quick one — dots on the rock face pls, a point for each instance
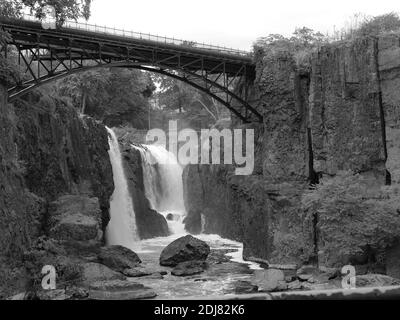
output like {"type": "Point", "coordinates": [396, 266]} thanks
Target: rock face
{"type": "Point", "coordinates": [337, 114]}
{"type": "Point", "coordinates": [149, 222]}
{"type": "Point", "coordinates": [75, 217]}
{"type": "Point", "coordinates": [184, 249]}
{"type": "Point", "coordinates": [345, 99]}
{"type": "Point", "coordinates": [63, 153]}
{"type": "Point", "coordinates": [118, 258]}
{"type": "Point", "coordinates": [47, 151]}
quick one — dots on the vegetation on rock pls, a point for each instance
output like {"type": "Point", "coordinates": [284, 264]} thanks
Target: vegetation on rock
{"type": "Point", "coordinates": [355, 222]}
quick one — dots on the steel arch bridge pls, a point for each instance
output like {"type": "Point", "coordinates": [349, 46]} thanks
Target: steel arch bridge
{"type": "Point", "coordinates": [47, 54]}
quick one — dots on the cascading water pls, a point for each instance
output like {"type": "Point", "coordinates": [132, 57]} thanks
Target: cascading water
{"type": "Point", "coordinates": [162, 177]}
{"type": "Point", "coordinates": [122, 226]}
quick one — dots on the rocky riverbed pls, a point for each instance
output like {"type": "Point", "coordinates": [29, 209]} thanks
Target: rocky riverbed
{"type": "Point", "coordinates": [196, 267]}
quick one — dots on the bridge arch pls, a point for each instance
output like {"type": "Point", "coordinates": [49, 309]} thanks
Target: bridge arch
{"type": "Point", "coordinates": [48, 55]}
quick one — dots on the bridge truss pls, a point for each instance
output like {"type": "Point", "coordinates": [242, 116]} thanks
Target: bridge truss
{"type": "Point", "coordinates": [49, 54]}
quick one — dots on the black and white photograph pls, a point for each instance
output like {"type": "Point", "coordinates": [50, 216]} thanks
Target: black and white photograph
{"type": "Point", "coordinates": [199, 155]}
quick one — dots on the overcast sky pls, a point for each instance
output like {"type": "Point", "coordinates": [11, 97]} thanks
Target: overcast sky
{"type": "Point", "coordinates": [233, 23]}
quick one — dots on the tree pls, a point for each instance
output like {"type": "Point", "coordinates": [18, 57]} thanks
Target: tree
{"type": "Point", "coordinates": [379, 24]}
{"type": "Point", "coordinates": [90, 85]}
{"type": "Point", "coordinates": [193, 105]}
{"type": "Point", "coordinates": [114, 95]}
{"type": "Point", "coordinates": [302, 39]}
{"type": "Point", "coordinates": [11, 8]}
{"type": "Point", "coordinates": [64, 9]}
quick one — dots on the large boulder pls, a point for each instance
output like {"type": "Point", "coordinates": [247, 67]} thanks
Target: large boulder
{"type": "Point", "coordinates": [93, 272]}
{"type": "Point", "coordinates": [186, 248]}
{"type": "Point", "coordinates": [268, 280]}
{"type": "Point", "coordinates": [119, 290]}
{"type": "Point", "coordinates": [189, 268]}
{"type": "Point", "coordinates": [118, 258]}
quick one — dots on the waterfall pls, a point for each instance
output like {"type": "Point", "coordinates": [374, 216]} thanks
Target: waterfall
{"type": "Point", "coordinates": [162, 178]}
{"type": "Point", "coordinates": [122, 226]}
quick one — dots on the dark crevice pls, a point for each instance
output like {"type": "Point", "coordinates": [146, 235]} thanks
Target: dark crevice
{"type": "Point", "coordinates": [388, 179]}
{"type": "Point", "coordinates": [315, 236]}
{"type": "Point", "coordinates": [313, 176]}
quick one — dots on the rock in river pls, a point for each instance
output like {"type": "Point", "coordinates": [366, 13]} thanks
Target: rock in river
{"type": "Point", "coordinates": [186, 248]}
{"type": "Point", "coordinates": [119, 290]}
{"type": "Point", "coordinates": [268, 280]}
{"type": "Point", "coordinates": [189, 268]}
{"type": "Point", "coordinates": [242, 287]}
{"type": "Point", "coordinates": [118, 258]}
{"type": "Point", "coordinates": [93, 272]}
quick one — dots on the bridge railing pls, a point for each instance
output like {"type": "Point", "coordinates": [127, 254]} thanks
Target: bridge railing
{"type": "Point", "coordinates": [142, 36]}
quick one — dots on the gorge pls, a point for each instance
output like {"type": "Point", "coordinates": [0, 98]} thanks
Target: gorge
{"type": "Point", "coordinates": [324, 191]}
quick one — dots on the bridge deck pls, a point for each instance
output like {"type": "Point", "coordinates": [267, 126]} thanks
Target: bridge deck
{"type": "Point", "coordinates": [88, 44]}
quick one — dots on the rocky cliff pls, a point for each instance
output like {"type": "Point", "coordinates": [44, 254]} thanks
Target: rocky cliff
{"type": "Point", "coordinates": [150, 223]}
{"type": "Point", "coordinates": [329, 154]}
{"type": "Point", "coordinates": [48, 153]}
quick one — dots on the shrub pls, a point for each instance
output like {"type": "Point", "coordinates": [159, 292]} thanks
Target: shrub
{"type": "Point", "coordinates": [355, 222]}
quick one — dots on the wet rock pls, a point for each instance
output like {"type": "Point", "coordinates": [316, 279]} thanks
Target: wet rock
{"type": "Point", "coordinates": [219, 256]}
{"type": "Point", "coordinates": [267, 280]}
{"type": "Point", "coordinates": [150, 223]}
{"type": "Point", "coordinates": [189, 268]}
{"type": "Point", "coordinates": [155, 275]}
{"type": "Point", "coordinates": [186, 248]}
{"type": "Point", "coordinates": [118, 258]}
{"type": "Point", "coordinates": [193, 222]}
{"type": "Point", "coordinates": [307, 269]}
{"type": "Point", "coordinates": [283, 266]}
{"type": "Point", "coordinates": [242, 287]}
{"type": "Point", "coordinates": [93, 272]}
{"type": "Point", "coordinates": [135, 272]}
{"type": "Point", "coordinates": [263, 263]}
{"type": "Point", "coordinates": [282, 286]}
{"type": "Point", "coordinates": [222, 269]}
{"type": "Point", "coordinates": [119, 290]}
{"type": "Point", "coordinates": [305, 277]}
{"type": "Point", "coordinates": [57, 294]}
{"type": "Point", "coordinates": [290, 278]}
{"type": "Point", "coordinates": [376, 280]}
{"type": "Point", "coordinates": [18, 296]}
{"type": "Point", "coordinates": [294, 285]}
{"type": "Point", "coordinates": [330, 272]}
{"type": "Point", "coordinates": [77, 292]}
